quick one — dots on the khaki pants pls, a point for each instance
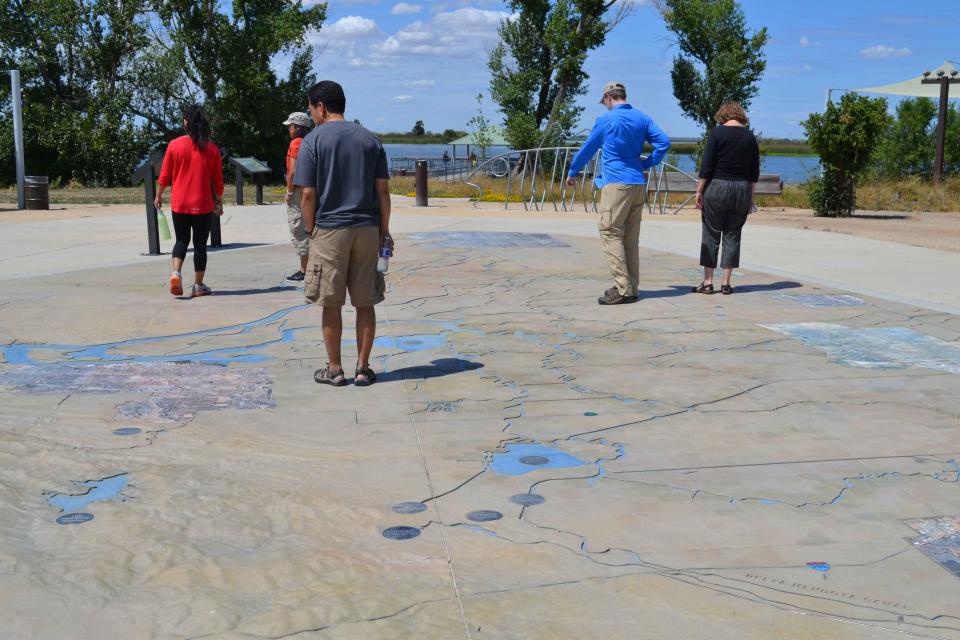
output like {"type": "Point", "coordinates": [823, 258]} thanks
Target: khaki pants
{"type": "Point", "coordinates": [298, 231]}
{"type": "Point", "coordinates": [344, 260]}
{"type": "Point", "coordinates": [621, 209]}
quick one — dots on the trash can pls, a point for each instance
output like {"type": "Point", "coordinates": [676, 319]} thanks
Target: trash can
{"type": "Point", "coordinates": [37, 190]}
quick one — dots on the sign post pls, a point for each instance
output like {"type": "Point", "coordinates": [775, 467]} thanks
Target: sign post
{"type": "Point", "coordinates": [18, 137]}
{"type": "Point", "coordinates": [251, 167]}
{"type": "Point", "coordinates": [148, 172]}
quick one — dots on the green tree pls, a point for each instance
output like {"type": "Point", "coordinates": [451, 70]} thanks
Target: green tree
{"type": "Point", "coordinates": [537, 66]}
{"type": "Point", "coordinates": [75, 58]}
{"type": "Point", "coordinates": [719, 59]}
{"type": "Point", "coordinates": [451, 134]}
{"type": "Point", "coordinates": [845, 136]}
{"type": "Point", "coordinates": [909, 143]}
{"type": "Point", "coordinates": [227, 66]}
{"type": "Point", "coordinates": [481, 128]}
{"type": "Point", "coordinates": [418, 129]}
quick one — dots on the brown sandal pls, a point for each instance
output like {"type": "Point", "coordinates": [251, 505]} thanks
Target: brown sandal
{"type": "Point", "coordinates": [703, 287]}
{"type": "Point", "coordinates": [333, 378]}
{"type": "Point", "coordinates": [369, 377]}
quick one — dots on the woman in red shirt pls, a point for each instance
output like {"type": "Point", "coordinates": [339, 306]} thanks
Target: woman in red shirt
{"type": "Point", "coordinates": [192, 165]}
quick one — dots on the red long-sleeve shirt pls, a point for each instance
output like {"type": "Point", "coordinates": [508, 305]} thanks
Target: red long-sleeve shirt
{"type": "Point", "coordinates": [192, 172]}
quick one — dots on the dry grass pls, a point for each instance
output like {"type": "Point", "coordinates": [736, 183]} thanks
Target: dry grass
{"type": "Point", "coordinates": [134, 195]}
{"type": "Point", "coordinates": [906, 194]}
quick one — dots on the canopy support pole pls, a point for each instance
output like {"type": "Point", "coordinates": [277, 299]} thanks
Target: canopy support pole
{"type": "Point", "coordinates": [939, 160]}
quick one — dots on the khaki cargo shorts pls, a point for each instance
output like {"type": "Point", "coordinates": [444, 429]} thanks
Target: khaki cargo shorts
{"type": "Point", "coordinates": [342, 260]}
{"type": "Point", "coordinates": [298, 230]}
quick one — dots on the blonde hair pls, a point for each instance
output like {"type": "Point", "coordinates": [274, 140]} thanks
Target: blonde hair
{"type": "Point", "coordinates": [731, 111]}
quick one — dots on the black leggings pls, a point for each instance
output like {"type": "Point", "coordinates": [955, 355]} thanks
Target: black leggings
{"type": "Point", "coordinates": [200, 223]}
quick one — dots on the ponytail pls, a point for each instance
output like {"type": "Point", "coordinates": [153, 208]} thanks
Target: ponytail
{"type": "Point", "coordinates": [198, 127]}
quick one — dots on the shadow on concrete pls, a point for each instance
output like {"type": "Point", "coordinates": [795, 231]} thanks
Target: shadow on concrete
{"type": "Point", "coordinates": [773, 286]}
{"type": "Point", "coordinates": [235, 245]}
{"type": "Point", "coordinates": [676, 291]}
{"type": "Point", "coordinates": [253, 292]}
{"type": "Point", "coordinates": [436, 369]}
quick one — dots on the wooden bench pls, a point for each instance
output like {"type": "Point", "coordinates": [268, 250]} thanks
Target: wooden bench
{"type": "Point", "coordinates": [661, 184]}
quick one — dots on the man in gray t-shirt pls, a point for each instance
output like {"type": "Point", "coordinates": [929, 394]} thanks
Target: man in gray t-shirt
{"type": "Point", "coordinates": [342, 169]}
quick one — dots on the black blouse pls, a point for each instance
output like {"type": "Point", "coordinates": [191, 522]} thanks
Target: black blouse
{"type": "Point", "coordinates": [732, 153]}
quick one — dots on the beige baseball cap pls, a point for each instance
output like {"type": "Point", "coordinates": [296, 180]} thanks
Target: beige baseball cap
{"type": "Point", "coordinates": [610, 86]}
{"type": "Point", "coordinates": [299, 118]}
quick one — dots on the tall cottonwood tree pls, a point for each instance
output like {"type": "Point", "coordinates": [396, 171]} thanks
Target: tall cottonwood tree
{"type": "Point", "coordinates": [225, 63]}
{"type": "Point", "coordinates": [75, 58]}
{"type": "Point", "coordinates": [719, 59]}
{"type": "Point", "coordinates": [537, 66]}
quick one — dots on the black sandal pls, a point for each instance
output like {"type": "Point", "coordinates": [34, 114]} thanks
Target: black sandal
{"type": "Point", "coordinates": [703, 287]}
{"type": "Point", "coordinates": [367, 373]}
{"type": "Point", "coordinates": [726, 289]}
{"type": "Point", "coordinates": [326, 376]}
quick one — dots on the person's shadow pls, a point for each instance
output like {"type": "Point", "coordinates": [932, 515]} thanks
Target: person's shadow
{"type": "Point", "coordinates": [252, 292]}
{"type": "Point", "coordinates": [436, 369]}
{"type": "Point", "coordinates": [675, 290]}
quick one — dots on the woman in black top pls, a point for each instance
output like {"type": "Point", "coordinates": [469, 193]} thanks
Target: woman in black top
{"type": "Point", "coordinates": [728, 179]}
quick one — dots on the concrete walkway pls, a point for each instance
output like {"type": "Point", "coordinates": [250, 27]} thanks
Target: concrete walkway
{"type": "Point", "coordinates": [892, 271]}
{"type": "Point", "coordinates": [780, 463]}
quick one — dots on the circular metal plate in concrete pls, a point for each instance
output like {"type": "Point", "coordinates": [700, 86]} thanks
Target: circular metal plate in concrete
{"type": "Point", "coordinates": [527, 499]}
{"type": "Point", "coordinates": [127, 431]}
{"type": "Point", "coordinates": [401, 533]}
{"type": "Point", "coordinates": [484, 515]}
{"type": "Point", "coordinates": [408, 508]}
{"type": "Point", "coordinates": [534, 461]}
{"type": "Point", "coordinates": [75, 518]}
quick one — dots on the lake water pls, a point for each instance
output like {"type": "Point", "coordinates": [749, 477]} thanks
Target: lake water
{"type": "Point", "coordinates": [793, 169]}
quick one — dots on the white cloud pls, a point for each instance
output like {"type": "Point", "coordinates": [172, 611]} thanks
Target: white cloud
{"type": "Point", "coordinates": [349, 28]}
{"type": "Point", "coordinates": [403, 98]}
{"type": "Point", "coordinates": [421, 84]}
{"type": "Point", "coordinates": [804, 41]}
{"type": "Point", "coordinates": [453, 34]}
{"type": "Point", "coordinates": [882, 51]}
{"type": "Point", "coordinates": [405, 9]}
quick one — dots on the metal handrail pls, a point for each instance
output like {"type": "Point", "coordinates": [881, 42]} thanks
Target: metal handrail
{"type": "Point", "coordinates": [534, 185]}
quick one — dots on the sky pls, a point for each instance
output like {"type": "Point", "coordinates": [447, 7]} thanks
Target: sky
{"type": "Point", "coordinates": [400, 62]}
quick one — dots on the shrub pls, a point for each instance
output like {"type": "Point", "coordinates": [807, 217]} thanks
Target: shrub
{"type": "Point", "coordinates": [845, 137]}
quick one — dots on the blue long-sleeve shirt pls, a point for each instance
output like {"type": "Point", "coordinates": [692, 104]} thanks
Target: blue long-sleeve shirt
{"type": "Point", "coordinates": [621, 134]}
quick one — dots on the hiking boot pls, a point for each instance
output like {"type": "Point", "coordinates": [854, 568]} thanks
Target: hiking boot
{"type": "Point", "coordinates": [200, 289]}
{"type": "Point", "coordinates": [296, 277]}
{"type": "Point", "coordinates": [612, 296]}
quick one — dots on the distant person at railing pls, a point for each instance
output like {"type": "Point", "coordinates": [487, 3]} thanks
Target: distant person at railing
{"type": "Point", "coordinates": [620, 136]}
{"type": "Point", "coordinates": [728, 180]}
{"type": "Point", "coordinates": [298, 126]}
{"type": "Point", "coordinates": [446, 157]}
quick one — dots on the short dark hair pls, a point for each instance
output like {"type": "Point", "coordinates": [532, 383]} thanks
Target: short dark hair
{"type": "Point", "coordinates": [330, 94]}
{"type": "Point", "coordinates": [302, 131]}
{"type": "Point", "coordinates": [618, 94]}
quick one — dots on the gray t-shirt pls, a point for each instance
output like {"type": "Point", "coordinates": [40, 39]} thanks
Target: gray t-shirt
{"type": "Point", "coordinates": [342, 160]}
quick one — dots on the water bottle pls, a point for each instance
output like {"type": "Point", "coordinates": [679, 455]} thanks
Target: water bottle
{"type": "Point", "coordinates": [386, 252]}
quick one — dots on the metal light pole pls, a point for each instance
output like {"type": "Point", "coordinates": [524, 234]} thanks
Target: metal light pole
{"type": "Point", "coordinates": [18, 137]}
{"type": "Point", "coordinates": [944, 81]}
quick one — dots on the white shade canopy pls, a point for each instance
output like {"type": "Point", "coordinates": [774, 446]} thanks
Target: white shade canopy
{"type": "Point", "coordinates": [915, 86]}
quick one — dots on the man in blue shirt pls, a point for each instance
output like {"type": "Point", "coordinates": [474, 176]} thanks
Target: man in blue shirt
{"type": "Point", "coordinates": [620, 135]}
